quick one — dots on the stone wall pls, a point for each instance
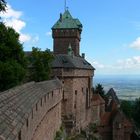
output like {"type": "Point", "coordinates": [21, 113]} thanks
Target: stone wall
{"type": "Point", "coordinates": [47, 128]}
{"type": "Point", "coordinates": [62, 39]}
{"type": "Point", "coordinates": [41, 124]}
{"type": "Point", "coordinates": [34, 111]}
{"type": "Point", "coordinates": [77, 84]}
{"type": "Point", "coordinates": [95, 112]}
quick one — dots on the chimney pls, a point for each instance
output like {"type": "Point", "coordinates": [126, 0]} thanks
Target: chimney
{"type": "Point", "coordinates": [83, 55]}
{"type": "Point", "coordinates": [60, 17]}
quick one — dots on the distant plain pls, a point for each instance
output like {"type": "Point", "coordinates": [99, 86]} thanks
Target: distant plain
{"type": "Point", "coordinates": [126, 86]}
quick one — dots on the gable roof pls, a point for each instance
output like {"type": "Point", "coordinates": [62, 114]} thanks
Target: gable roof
{"type": "Point", "coordinates": [66, 21]}
{"type": "Point", "coordinates": [109, 117]}
{"type": "Point", "coordinates": [73, 62]}
{"type": "Point", "coordinates": [111, 93]}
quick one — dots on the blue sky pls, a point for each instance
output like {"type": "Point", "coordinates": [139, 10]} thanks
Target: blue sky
{"type": "Point", "coordinates": [111, 29]}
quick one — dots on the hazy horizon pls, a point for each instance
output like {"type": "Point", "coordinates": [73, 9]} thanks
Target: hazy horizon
{"type": "Point", "coordinates": [125, 86]}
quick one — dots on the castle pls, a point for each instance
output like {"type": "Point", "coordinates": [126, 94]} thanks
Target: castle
{"type": "Point", "coordinates": [35, 111]}
{"type": "Point", "coordinates": [74, 71]}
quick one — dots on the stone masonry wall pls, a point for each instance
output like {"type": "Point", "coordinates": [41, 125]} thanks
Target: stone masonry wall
{"type": "Point", "coordinates": [81, 101]}
{"type": "Point", "coordinates": [76, 96]}
{"type": "Point", "coordinates": [49, 125]}
{"type": "Point", "coordinates": [40, 124]}
{"type": "Point", "coordinates": [62, 39]}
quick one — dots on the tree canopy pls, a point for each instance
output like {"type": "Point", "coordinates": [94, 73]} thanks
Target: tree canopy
{"type": "Point", "coordinates": [99, 90]}
{"type": "Point", "coordinates": [136, 112]}
{"type": "Point", "coordinates": [132, 110]}
{"type": "Point", "coordinates": [127, 108]}
{"type": "Point", "coordinates": [40, 62]}
{"type": "Point", "coordinates": [12, 59]}
{"type": "Point", "coordinates": [2, 5]}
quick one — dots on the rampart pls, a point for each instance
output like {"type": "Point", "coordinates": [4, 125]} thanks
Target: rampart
{"type": "Point", "coordinates": [31, 111]}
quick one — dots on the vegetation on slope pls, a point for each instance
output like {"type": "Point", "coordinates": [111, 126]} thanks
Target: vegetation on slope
{"type": "Point", "coordinates": [13, 63]}
{"type": "Point", "coordinates": [12, 59]}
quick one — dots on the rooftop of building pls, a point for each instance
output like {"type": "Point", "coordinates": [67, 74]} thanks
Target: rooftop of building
{"type": "Point", "coordinates": [73, 62]}
{"type": "Point", "coordinates": [112, 94]}
{"type": "Point", "coordinates": [108, 118]}
{"type": "Point", "coordinates": [66, 21]}
{"type": "Point", "coordinates": [17, 103]}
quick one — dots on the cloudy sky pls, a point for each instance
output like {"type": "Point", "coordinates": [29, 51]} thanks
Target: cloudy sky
{"type": "Point", "coordinates": [111, 29]}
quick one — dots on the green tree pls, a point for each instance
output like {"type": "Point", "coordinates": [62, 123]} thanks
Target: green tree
{"type": "Point", "coordinates": [99, 90]}
{"type": "Point", "coordinates": [136, 112]}
{"type": "Point", "coordinates": [12, 59]}
{"type": "Point", "coordinates": [40, 62]}
{"type": "Point", "coordinates": [127, 108]}
{"type": "Point", "coordinates": [2, 5]}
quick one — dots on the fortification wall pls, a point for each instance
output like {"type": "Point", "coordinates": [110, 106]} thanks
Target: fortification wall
{"type": "Point", "coordinates": [44, 119]}
{"type": "Point", "coordinates": [47, 128]}
{"type": "Point", "coordinates": [36, 111]}
{"type": "Point", "coordinates": [77, 97]}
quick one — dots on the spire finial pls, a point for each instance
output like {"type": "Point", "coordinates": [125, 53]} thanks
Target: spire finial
{"type": "Point", "coordinates": [65, 5]}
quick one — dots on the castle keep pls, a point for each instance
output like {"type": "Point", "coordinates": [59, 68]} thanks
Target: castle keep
{"type": "Point", "coordinates": [66, 31]}
{"type": "Point", "coordinates": [74, 71]}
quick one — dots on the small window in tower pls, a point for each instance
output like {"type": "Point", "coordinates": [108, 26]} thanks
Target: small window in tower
{"type": "Point", "coordinates": [75, 92]}
{"type": "Point", "coordinates": [52, 93]}
{"type": "Point", "coordinates": [27, 123]}
{"type": "Point", "coordinates": [19, 135]}
{"type": "Point", "coordinates": [36, 107]}
{"type": "Point", "coordinates": [48, 95]}
{"type": "Point", "coordinates": [82, 89]}
{"type": "Point", "coordinates": [75, 102]}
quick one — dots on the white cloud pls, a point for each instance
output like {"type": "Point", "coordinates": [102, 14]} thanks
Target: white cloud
{"type": "Point", "coordinates": [24, 37]}
{"type": "Point", "coordinates": [11, 13]}
{"type": "Point", "coordinates": [98, 65]}
{"type": "Point", "coordinates": [17, 24]}
{"type": "Point", "coordinates": [135, 44]}
{"type": "Point", "coordinates": [123, 66]}
{"type": "Point", "coordinates": [35, 39]}
{"type": "Point", "coordinates": [49, 33]}
{"type": "Point", "coordinates": [12, 18]}
{"type": "Point", "coordinates": [129, 63]}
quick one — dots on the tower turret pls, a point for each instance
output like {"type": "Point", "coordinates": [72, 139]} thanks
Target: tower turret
{"type": "Point", "coordinates": [65, 31]}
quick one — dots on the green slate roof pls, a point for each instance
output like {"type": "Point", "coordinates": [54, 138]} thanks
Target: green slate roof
{"type": "Point", "coordinates": [67, 22]}
{"type": "Point", "coordinates": [66, 61]}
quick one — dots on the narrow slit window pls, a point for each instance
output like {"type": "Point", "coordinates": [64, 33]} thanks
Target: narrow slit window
{"type": "Point", "coordinates": [36, 107]}
{"type": "Point", "coordinates": [27, 123]}
{"type": "Point", "coordinates": [19, 135]}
